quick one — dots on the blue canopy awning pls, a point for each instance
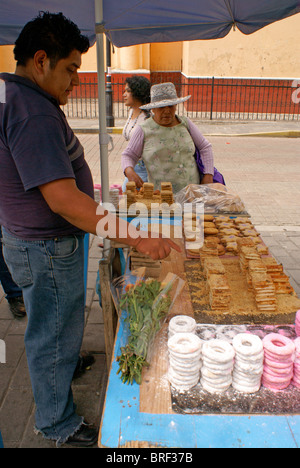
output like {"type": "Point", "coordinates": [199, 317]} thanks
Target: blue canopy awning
{"type": "Point", "coordinates": [135, 22]}
{"type": "Point", "coordinates": [129, 22]}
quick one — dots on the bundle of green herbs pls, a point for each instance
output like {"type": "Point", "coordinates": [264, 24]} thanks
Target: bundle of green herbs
{"type": "Point", "coordinates": [147, 304]}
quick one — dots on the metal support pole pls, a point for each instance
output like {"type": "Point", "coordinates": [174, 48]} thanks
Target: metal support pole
{"type": "Point", "coordinates": [212, 97]}
{"type": "Point", "coordinates": [109, 94]}
{"type": "Point", "coordinates": [103, 136]}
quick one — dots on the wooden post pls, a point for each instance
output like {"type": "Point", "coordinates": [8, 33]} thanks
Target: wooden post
{"type": "Point", "coordinates": [108, 308]}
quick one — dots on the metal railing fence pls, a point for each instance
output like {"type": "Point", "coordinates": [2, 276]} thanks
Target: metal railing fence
{"type": "Point", "coordinates": [212, 99]}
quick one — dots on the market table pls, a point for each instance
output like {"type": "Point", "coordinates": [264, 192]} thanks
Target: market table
{"type": "Point", "coordinates": [142, 417]}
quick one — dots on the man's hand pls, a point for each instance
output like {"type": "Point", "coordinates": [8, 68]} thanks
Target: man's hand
{"type": "Point", "coordinates": [132, 176]}
{"type": "Point", "coordinates": [157, 249]}
{"type": "Point", "coordinates": [207, 179]}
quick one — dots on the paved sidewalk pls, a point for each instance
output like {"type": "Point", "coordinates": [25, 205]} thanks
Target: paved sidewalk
{"type": "Point", "coordinates": [280, 128]}
{"type": "Point", "coordinates": [265, 172]}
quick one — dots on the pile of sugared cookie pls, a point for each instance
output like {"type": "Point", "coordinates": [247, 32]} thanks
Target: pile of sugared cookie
{"type": "Point", "coordinates": [212, 242]}
{"type": "Point", "coordinates": [201, 235]}
{"type": "Point", "coordinates": [221, 235]}
{"type": "Point", "coordinates": [230, 230]}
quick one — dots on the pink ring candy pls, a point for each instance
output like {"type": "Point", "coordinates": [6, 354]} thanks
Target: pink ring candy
{"type": "Point", "coordinates": [278, 344]}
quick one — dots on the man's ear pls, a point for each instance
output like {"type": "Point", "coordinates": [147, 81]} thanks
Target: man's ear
{"type": "Point", "coordinates": [40, 60]}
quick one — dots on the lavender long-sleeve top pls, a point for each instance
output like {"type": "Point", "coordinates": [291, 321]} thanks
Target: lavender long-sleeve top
{"type": "Point", "coordinates": [134, 150]}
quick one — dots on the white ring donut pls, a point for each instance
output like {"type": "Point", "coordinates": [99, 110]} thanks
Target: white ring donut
{"type": "Point", "coordinates": [247, 344]}
{"type": "Point", "coordinates": [178, 380]}
{"type": "Point", "coordinates": [248, 370]}
{"type": "Point", "coordinates": [193, 367]}
{"type": "Point", "coordinates": [216, 372]}
{"type": "Point", "coordinates": [245, 382]}
{"type": "Point", "coordinates": [185, 357]}
{"type": "Point", "coordinates": [173, 378]}
{"type": "Point", "coordinates": [215, 378]}
{"type": "Point", "coordinates": [218, 351]}
{"type": "Point", "coordinates": [184, 372]}
{"type": "Point", "coordinates": [250, 359]}
{"type": "Point", "coordinates": [211, 389]}
{"type": "Point", "coordinates": [246, 378]}
{"type": "Point", "coordinates": [182, 388]}
{"type": "Point", "coordinates": [184, 343]}
{"type": "Point", "coordinates": [182, 324]}
{"type": "Point", "coordinates": [213, 365]}
{"type": "Point", "coordinates": [242, 389]}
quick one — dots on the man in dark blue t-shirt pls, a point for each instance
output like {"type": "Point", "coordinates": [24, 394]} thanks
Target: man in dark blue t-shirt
{"type": "Point", "coordinates": [46, 206]}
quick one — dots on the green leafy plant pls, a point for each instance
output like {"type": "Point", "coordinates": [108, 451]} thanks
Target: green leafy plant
{"type": "Point", "coordinates": [146, 304]}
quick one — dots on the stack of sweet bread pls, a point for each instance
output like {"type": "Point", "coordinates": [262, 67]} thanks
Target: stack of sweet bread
{"type": "Point", "coordinates": [147, 195]}
{"type": "Point", "coordinates": [246, 254]}
{"type": "Point", "coordinates": [219, 291]}
{"type": "Point", "coordinates": [213, 266]}
{"type": "Point", "coordinates": [254, 266]}
{"type": "Point", "coordinates": [264, 292]}
{"type": "Point", "coordinates": [166, 193]}
{"type": "Point", "coordinates": [130, 193]}
{"type": "Point", "coordinates": [258, 279]}
{"type": "Point", "coordinates": [280, 279]}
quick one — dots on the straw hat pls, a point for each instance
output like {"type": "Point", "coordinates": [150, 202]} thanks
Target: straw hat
{"type": "Point", "coordinates": [164, 95]}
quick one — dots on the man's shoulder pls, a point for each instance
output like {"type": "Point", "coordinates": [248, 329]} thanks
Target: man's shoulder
{"type": "Point", "coordinates": [24, 100]}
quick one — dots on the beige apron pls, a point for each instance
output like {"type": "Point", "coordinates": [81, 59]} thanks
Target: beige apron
{"type": "Point", "coordinates": [169, 155]}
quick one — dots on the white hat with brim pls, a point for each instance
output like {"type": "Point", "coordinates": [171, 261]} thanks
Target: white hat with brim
{"type": "Point", "coordinates": [164, 95]}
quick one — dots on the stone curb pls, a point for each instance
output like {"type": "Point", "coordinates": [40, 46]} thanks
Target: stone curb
{"type": "Point", "coordinates": [282, 134]}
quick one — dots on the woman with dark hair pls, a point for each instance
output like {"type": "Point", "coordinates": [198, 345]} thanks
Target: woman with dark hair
{"type": "Point", "coordinates": [136, 94]}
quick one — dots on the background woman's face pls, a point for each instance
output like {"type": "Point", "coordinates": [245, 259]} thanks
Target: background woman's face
{"type": "Point", "coordinates": [128, 98]}
{"type": "Point", "coordinates": [165, 116]}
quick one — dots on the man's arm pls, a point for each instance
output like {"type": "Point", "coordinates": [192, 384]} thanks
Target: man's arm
{"type": "Point", "coordinates": [65, 199]}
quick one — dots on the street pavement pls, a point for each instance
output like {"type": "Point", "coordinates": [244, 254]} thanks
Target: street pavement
{"type": "Point", "coordinates": [262, 167]}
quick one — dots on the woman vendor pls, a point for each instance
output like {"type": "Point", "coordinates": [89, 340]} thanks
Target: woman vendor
{"type": "Point", "coordinates": [167, 143]}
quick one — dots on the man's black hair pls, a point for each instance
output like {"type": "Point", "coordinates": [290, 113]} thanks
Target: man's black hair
{"type": "Point", "coordinates": [53, 33]}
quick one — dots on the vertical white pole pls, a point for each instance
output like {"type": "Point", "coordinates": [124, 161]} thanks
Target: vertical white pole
{"type": "Point", "coordinates": [103, 136]}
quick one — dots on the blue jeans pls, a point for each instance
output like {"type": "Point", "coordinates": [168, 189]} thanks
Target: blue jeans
{"type": "Point", "coordinates": [140, 169]}
{"type": "Point", "coordinates": [9, 286]}
{"type": "Point", "coordinates": [51, 275]}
